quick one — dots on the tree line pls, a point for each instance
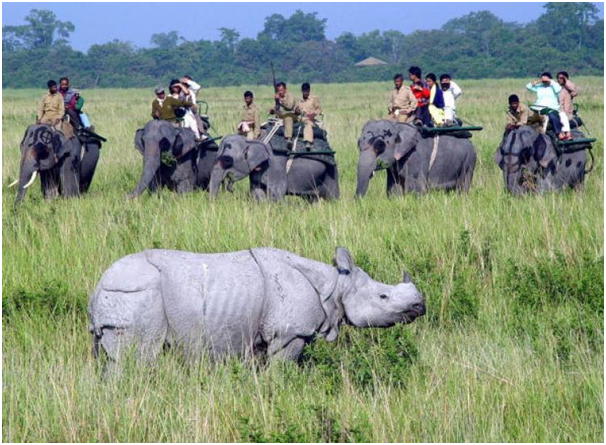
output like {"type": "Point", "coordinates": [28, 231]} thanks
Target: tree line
{"type": "Point", "coordinates": [567, 36]}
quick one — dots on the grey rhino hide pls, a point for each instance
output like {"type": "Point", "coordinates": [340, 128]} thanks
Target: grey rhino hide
{"type": "Point", "coordinates": [239, 302]}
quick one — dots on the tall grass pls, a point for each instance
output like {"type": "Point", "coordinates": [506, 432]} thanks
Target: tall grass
{"type": "Point", "coordinates": [511, 348]}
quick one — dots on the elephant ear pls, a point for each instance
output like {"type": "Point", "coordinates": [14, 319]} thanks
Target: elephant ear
{"type": "Point", "coordinates": [255, 154]}
{"type": "Point", "coordinates": [405, 141]}
{"type": "Point", "coordinates": [139, 143]}
{"type": "Point", "coordinates": [497, 157]}
{"type": "Point", "coordinates": [543, 151]}
{"type": "Point", "coordinates": [56, 142]}
{"type": "Point", "coordinates": [184, 143]}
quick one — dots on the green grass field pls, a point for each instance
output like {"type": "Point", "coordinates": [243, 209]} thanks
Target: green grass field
{"type": "Point", "coordinates": [511, 348]}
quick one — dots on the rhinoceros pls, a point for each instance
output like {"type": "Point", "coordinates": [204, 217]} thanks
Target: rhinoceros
{"type": "Point", "coordinates": [245, 303]}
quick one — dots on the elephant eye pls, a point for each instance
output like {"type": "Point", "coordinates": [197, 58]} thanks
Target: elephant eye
{"type": "Point", "coordinates": [383, 296]}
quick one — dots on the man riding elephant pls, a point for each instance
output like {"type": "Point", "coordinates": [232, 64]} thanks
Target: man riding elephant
{"type": "Point", "coordinates": [308, 108]}
{"type": "Point", "coordinates": [51, 109]}
{"type": "Point", "coordinates": [402, 102]}
{"type": "Point", "coordinates": [285, 111]}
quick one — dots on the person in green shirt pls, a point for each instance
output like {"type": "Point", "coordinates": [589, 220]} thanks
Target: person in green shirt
{"type": "Point", "coordinates": [163, 106]}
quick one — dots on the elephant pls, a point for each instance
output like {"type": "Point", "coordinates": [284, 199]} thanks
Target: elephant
{"type": "Point", "coordinates": [58, 160]}
{"type": "Point", "coordinates": [272, 175]}
{"type": "Point", "coordinates": [414, 162]}
{"type": "Point", "coordinates": [260, 302]}
{"type": "Point", "coordinates": [530, 162]}
{"type": "Point", "coordinates": [172, 158]}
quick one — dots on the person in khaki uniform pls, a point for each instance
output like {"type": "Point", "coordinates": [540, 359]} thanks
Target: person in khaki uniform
{"type": "Point", "coordinates": [517, 113]}
{"type": "Point", "coordinates": [308, 108]}
{"type": "Point", "coordinates": [402, 102]}
{"type": "Point", "coordinates": [51, 109]}
{"type": "Point", "coordinates": [250, 122]}
{"type": "Point", "coordinates": [286, 111]}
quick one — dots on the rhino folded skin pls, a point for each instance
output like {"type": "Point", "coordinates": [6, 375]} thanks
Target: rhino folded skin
{"type": "Point", "coordinates": [238, 303]}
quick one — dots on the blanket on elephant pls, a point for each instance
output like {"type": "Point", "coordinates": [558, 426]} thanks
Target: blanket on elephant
{"type": "Point", "coordinates": [319, 133]}
{"type": "Point", "coordinates": [457, 133]}
{"type": "Point", "coordinates": [321, 152]}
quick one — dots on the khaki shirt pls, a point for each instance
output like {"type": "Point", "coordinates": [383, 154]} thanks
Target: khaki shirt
{"type": "Point", "coordinates": [287, 103]}
{"type": "Point", "coordinates": [51, 108]}
{"type": "Point", "coordinates": [569, 90]}
{"type": "Point", "coordinates": [250, 114]}
{"type": "Point", "coordinates": [518, 117]}
{"type": "Point", "coordinates": [166, 110]}
{"type": "Point", "coordinates": [309, 106]}
{"type": "Point", "coordinates": [403, 100]}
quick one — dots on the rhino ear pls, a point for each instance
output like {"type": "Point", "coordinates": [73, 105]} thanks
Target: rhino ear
{"type": "Point", "coordinates": [343, 261]}
{"type": "Point", "coordinates": [405, 277]}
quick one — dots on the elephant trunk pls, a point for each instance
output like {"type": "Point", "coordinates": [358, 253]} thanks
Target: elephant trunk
{"type": "Point", "coordinates": [216, 178]}
{"type": "Point", "coordinates": [151, 164]}
{"type": "Point", "coordinates": [366, 166]}
{"type": "Point", "coordinates": [512, 181]}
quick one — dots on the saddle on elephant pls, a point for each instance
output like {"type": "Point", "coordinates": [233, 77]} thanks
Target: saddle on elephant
{"type": "Point", "coordinates": [272, 133]}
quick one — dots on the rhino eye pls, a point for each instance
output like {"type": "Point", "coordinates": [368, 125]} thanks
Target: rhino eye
{"type": "Point", "coordinates": [383, 296]}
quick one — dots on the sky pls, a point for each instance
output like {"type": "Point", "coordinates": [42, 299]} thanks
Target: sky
{"type": "Point", "coordinates": [136, 22]}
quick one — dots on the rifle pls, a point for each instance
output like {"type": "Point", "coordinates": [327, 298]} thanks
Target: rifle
{"type": "Point", "coordinates": [273, 73]}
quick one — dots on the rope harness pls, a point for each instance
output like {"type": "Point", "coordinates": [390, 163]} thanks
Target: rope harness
{"type": "Point", "coordinates": [434, 152]}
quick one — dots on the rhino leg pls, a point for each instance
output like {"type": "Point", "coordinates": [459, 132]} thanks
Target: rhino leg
{"type": "Point", "coordinates": [290, 351]}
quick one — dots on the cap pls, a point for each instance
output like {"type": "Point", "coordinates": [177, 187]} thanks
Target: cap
{"type": "Point", "coordinates": [159, 90]}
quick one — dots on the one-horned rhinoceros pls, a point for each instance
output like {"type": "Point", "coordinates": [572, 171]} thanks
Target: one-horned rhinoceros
{"type": "Point", "coordinates": [239, 303]}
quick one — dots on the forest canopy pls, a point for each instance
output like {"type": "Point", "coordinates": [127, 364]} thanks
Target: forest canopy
{"type": "Point", "coordinates": [567, 36]}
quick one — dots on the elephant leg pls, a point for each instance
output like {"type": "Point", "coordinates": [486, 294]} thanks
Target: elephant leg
{"type": "Point", "coordinates": [88, 164]}
{"type": "Point", "coordinates": [151, 166]}
{"type": "Point", "coordinates": [258, 193]}
{"type": "Point", "coordinates": [49, 181]}
{"type": "Point", "coordinates": [394, 185]}
{"type": "Point", "coordinates": [184, 176]}
{"type": "Point", "coordinates": [69, 172]}
{"type": "Point", "coordinates": [466, 174]}
{"type": "Point", "coordinates": [330, 186]}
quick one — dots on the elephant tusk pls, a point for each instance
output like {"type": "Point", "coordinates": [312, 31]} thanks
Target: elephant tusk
{"type": "Point", "coordinates": [13, 183]}
{"type": "Point", "coordinates": [31, 180]}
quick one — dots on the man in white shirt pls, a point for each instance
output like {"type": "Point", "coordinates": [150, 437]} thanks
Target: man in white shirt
{"type": "Point", "coordinates": [451, 91]}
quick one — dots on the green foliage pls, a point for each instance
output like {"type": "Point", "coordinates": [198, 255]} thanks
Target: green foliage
{"type": "Point", "coordinates": [477, 45]}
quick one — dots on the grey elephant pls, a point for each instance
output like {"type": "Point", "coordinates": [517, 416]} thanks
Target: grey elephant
{"type": "Point", "coordinates": [530, 162]}
{"type": "Point", "coordinates": [56, 158]}
{"type": "Point", "coordinates": [272, 175]}
{"type": "Point", "coordinates": [414, 163]}
{"type": "Point", "coordinates": [260, 301]}
{"type": "Point", "coordinates": [173, 158]}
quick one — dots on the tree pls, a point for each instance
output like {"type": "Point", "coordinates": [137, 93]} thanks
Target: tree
{"type": "Point", "coordinates": [299, 27]}
{"type": "Point", "coordinates": [42, 31]}
{"type": "Point", "coordinates": [568, 22]}
{"type": "Point", "coordinates": [166, 40]}
{"type": "Point", "coordinates": [229, 37]}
